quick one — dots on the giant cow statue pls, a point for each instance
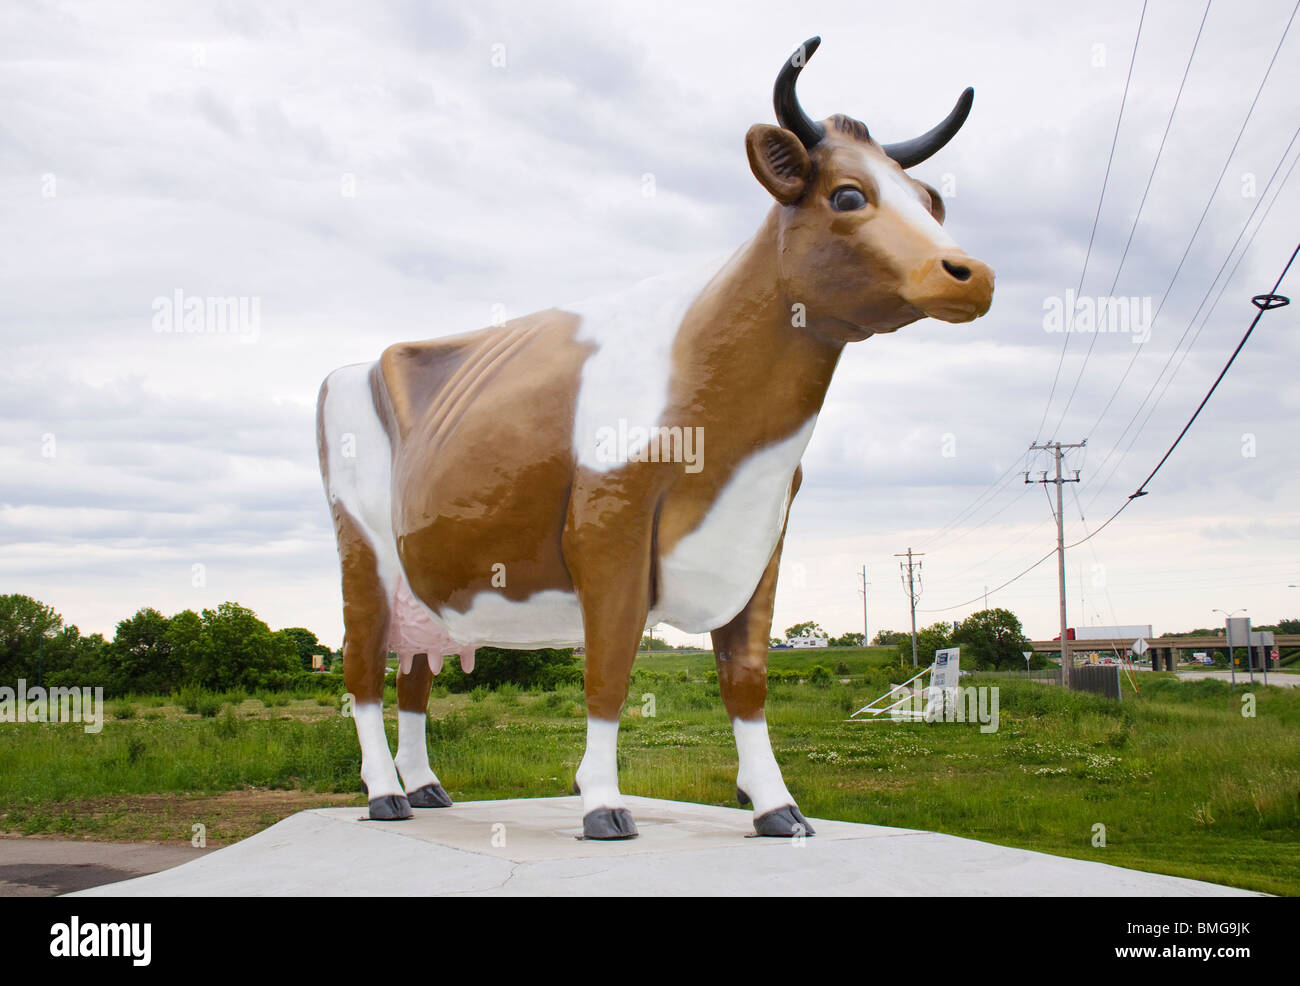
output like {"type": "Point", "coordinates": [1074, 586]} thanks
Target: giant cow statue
{"type": "Point", "coordinates": [575, 475]}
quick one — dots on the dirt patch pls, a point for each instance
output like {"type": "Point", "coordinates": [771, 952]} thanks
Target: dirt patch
{"type": "Point", "coordinates": [170, 819]}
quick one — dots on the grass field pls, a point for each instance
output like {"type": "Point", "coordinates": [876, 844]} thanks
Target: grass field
{"type": "Point", "coordinates": [1182, 782]}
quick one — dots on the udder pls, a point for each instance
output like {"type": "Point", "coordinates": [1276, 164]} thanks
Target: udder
{"type": "Point", "coordinates": [413, 631]}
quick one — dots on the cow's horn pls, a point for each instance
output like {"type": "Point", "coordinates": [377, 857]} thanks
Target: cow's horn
{"type": "Point", "coordinates": [916, 150]}
{"type": "Point", "coordinates": [788, 111]}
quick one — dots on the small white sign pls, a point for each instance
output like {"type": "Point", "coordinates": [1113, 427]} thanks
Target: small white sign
{"type": "Point", "coordinates": [943, 679]}
{"type": "Point", "coordinates": [944, 674]}
{"type": "Point", "coordinates": [1140, 647]}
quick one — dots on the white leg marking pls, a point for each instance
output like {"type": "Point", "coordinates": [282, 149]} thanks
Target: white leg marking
{"type": "Point", "coordinates": [598, 773]}
{"type": "Point", "coordinates": [412, 753]}
{"type": "Point", "coordinates": [377, 768]}
{"type": "Point", "coordinates": [759, 776]}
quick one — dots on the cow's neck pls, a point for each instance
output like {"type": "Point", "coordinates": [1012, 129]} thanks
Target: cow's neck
{"type": "Point", "coordinates": [743, 366]}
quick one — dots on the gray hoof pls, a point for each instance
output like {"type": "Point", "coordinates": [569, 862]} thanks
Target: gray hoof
{"type": "Point", "coordinates": [429, 796]}
{"type": "Point", "coordinates": [608, 823]}
{"type": "Point", "coordinates": [742, 797]}
{"type": "Point", "coordinates": [390, 808]}
{"type": "Point", "coordinates": [783, 823]}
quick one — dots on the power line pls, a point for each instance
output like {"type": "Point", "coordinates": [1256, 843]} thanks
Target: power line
{"type": "Point", "coordinates": [1204, 321]}
{"type": "Point", "coordinates": [1010, 544]}
{"type": "Point", "coordinates": [1014, 578]}
{"type": "Point", "coordinates": [971, 508]}
{"type": "Point", "coordinates": [1141, 490]}
{"type": "Point", "coordinates": [1264, 303]}
{"type": "Point", "coordinates": [1138, 215]}
{"type": "Point", "coordinates": [986, 520]}
{"type": "Point", "coordinates": [1244, 226]}
{"type": "Point", "coordinates": [1097, 217]}
{"type": "Point", "coordinates": [1191, 241]}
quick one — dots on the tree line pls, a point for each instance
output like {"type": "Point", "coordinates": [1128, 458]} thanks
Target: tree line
{"type": "Point", "coordinates": [217, 649]}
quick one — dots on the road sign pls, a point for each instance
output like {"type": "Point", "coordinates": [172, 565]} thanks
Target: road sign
{"type": "Point", "coordinates": [1140, 647]}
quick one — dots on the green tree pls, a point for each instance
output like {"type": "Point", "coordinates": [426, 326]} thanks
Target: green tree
{"type": "Point", "coordinates": [991, 639]}
{"type": "Point", "coordinates": [189, 644]}
{"type": "Point", "coordinates": [928, 640]}
{"type": "Point", "coordinates": [80, 662]}
{"type": "Point", "coordinates": [141, 655]}
{"type": "Point", "coordinates": [891, 638]}
{"type": "Point", "coordinates": [232, 648]}
{"type": "Point", "coordinates": [30, 639]}
{"type": "Point", "coordinates": [847, 640]}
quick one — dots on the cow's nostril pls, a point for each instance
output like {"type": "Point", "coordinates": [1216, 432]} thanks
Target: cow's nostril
{"type": "Point", "coordinates": [957, 271]}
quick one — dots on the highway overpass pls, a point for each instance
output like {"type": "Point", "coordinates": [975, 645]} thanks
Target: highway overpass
{"type": "Point", "coordinates": [1163, 650]}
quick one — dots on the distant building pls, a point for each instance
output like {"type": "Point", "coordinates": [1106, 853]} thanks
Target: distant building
{"type": "Point", "coordinates": [808, 641]}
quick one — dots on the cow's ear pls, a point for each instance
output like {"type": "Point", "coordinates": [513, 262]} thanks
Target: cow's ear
{"type": "Point", "coordinates": [779, 161]}
{"type": "Point", "coordinates": [936, 202]}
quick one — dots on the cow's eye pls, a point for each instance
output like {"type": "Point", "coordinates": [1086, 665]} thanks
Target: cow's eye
{"type": "Point", "coordinates": [846, 198]}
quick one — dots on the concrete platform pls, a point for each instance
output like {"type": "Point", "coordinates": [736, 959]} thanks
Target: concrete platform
{"type": "Point", "coordinates": [531, 848]}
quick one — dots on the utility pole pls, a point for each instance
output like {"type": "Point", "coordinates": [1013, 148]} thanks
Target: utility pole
{"type": "Point", "coordinates": [1057, 449]}
{"type": "Point", "coordinates": [909, 580]}
{"type": "Point", "coordinates": [866, 639]}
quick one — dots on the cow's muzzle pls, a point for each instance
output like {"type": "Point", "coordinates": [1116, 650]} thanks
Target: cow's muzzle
{"type": "Point", "coordinates": [953, 288]}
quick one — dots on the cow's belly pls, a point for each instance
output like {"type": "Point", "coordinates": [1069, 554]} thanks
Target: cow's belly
{"type": "Point", "coordinates": [707, 578]}
{"type": "Point", "coordinates": [551, 618]}
{"type": "Point", "coordinates": [711, 573]}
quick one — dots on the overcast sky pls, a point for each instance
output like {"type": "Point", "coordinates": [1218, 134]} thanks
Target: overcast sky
{"type": "Point", "coordinates": [380, 172]}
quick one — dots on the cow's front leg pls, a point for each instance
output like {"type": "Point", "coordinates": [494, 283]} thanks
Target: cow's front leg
{"type": "Point", "coordinates": [423, 789]}
{"type": "Point", "coordinates": [740, 651]}
{"type": "Point", "coordinates": [613, 630]}
{"type": "Point", "coordinates": [610, 565]}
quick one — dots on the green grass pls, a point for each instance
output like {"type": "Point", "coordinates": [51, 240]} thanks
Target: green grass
{"type": "Point", "coordinates": [860, 660]}
{"type": "Point", "coordinates": [1182, 782]}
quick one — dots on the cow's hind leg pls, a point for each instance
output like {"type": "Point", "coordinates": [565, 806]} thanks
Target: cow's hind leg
{"type": "Point", "coordinates": [740, 651]}
{"type": "Point", "coordinates": [365, 658]}
{"type": "Point", "coordinates": [356, 460]}
{"type": "Point", "coordinates": [423, 789]}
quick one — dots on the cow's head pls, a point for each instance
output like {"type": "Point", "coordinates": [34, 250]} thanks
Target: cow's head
{"type": "Point", "coordinates": [860, 242]}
